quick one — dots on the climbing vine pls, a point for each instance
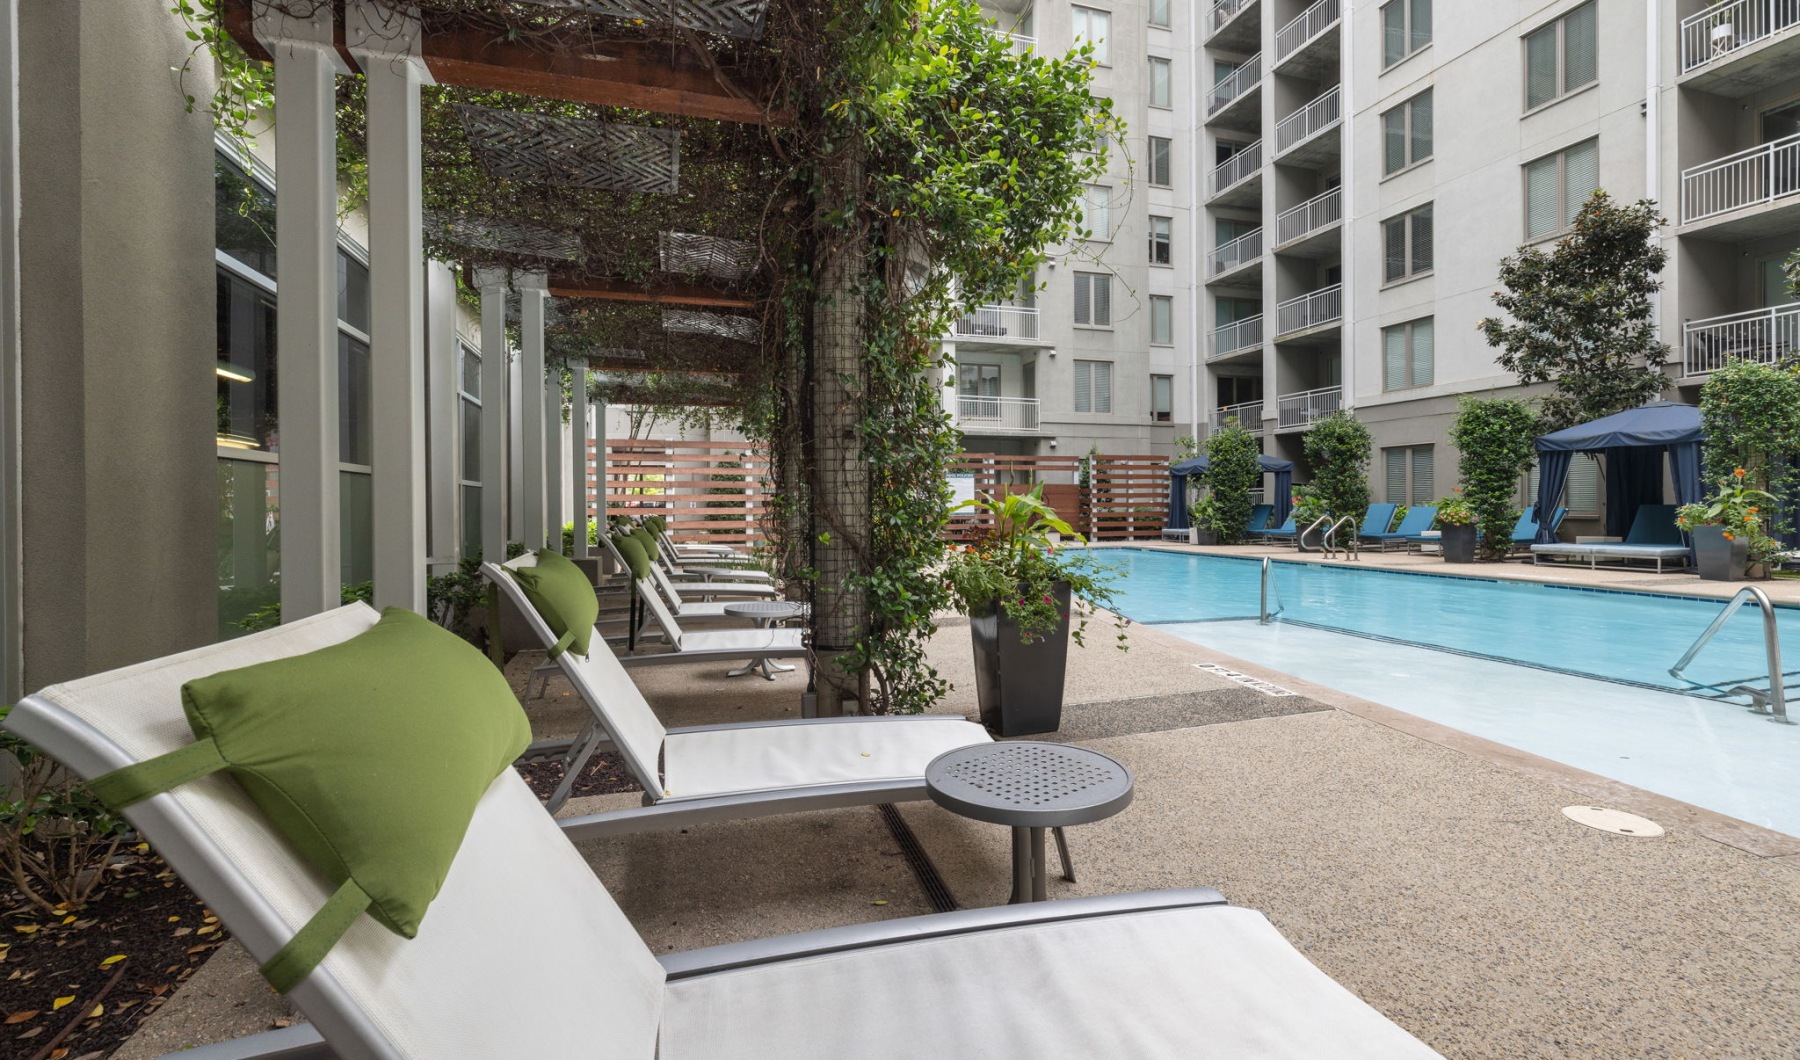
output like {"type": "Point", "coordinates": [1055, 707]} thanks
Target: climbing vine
{"type": "Point", "coordinates": [243, 87]}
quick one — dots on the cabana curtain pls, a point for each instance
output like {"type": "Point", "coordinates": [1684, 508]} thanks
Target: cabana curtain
{"type": "Point", "coordinates": [1633, 444]}
{"type": "Point", "coordinates": [1283, 470]}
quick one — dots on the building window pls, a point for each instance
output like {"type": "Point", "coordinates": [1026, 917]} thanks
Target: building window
{"type": "Point", "coordinates": [1159, 13]}
{"type": "Point", "coordinates": [1406, 133]}
{"type": "Point", "coordinates": [1409, 474]}
{"type": "Point", "coordinates": [1096, 212]}
{"type": "Point", "coordinates": [1162, 398]}
{"type": "Point", "coordinates": [1560, 57]}
{"type": "Point", "coordinates": [1405, 28]}
{"type": "Point", "coordinates": [978, 380]}
{"type": "Point", "coordinates": [1557, 186]}
{"type": "Point", "coordinates": [1406, 351]}
{"type": "Point", "coordinates": [1581, 493]}
{"type": "Point", "coordinates": [1406, 245]}
{"type": "Point", "coordinates": [1093, 26]}
{"type": "Point", "coordinates": [1160, 152]}
{"type": "Point", "coordinates": [1160, 74]}
{"type": "Point", "coordinates": [468, 393]}
{"type": "Point", "coordinates": [1093, 386]}
{"type": "Point", "coordinates": [1093, 299]}
{"type": "Point", "coordinates": [1162, 320]}
{"type": "Point", "coordinates": [1162, 234]}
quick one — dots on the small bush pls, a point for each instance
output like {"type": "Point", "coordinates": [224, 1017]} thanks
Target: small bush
{"type": "Point", "coordinates": [1234, 474]}
{"type": "Point", "coordinates": [56, 838]}
{"type": "Point", "coordinates": [1494, 439]}
{"type": "Point", "coordinates": [1337, 447]}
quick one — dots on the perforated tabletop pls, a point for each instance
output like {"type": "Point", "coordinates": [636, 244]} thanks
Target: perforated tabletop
{"type": "Point", "coordinates": [1029, 784]}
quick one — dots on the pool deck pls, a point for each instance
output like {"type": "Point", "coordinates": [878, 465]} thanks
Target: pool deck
{"type": "Point", "coordinates": [1430, 872]}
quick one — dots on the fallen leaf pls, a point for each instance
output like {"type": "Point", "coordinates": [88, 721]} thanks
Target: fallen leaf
{"type": "Point", "coordinates": [25, 929]}
{"type": "Point", "coordinates": [182, 931]}
{"type": "Point", "coordinates": [32, 1033]}
{"type": "Point", "coordinates": [281, 1021]}
{"type": "Point", "coordinates": [60, 1002]}
{"type": "Point", "coordinates": [143, 848]}
{"type": "Point", "coordinates": [21, 1017]}
{"type": "Point", "coordinates": [59, 1054]}
{"type": "Point", "coordinates": [207, 930]}
{"type": "Point", "coordinates": [114, 959]}
{"type": "Point", "coordinates": [879, 901]}
{"type": "Point", "coordinates": [174, 920]}
{"type": "Point", "coordinates": [69, 919]}
{"type": "Point", "coordinates": [198, 949]}
{"type": "Point", "coordinates": [99, 1010]}
{"type": "Point", "coordinates": [160, 989]}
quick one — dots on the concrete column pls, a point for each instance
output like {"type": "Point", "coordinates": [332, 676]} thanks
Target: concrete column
{"type": "Point", "coordinates": [600, 464]}
{"type": "Point", "coordinates": [443, 416]}
{"type": "Point", "coordinates": [532, 484]}
{"type": "Point", "coordinates": [577, 478]}
{"type": "Point", "coordinates": [386, 44]}
{"type": "Point", "coordinates": [494, 362]}
{"type": "Point", "coordinates": [555, 482]}
{"type": "Point", "coordinates": [12, 556]}
{"type": "Point", "coordinates": [307, 65]}
{"type": "Point", "coordinates": [112, 455]}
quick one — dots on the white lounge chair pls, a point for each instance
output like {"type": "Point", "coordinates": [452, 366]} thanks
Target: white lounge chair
{"type": "Point", "coordinates": [524, 953]}
{"type": "Point", "coordinates": [706, 603]}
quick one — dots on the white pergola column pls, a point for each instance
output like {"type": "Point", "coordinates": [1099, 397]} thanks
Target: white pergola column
{"type": "Point", "coordinates": [494, 370]}
{"type": "Point", "coordinates": [12, 555]}
{"type": "Point", "coordinates": [386, 45]}
{"type": "Point", "coordinates": [443, 417]}
{"type": "Point", "coordinates": [577, 477]}
{"type": "Point", "coordinates": [555, 482]}
{"type": "Point", "coordinates": [307, 65]}
{"type": "Point", "coordinates": [532, 485]}
{"type": "Point", "coordinates": [599, 465]}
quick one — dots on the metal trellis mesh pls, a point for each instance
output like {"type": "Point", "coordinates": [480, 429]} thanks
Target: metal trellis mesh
{"type": "Point", "coordinates": [590, 155]}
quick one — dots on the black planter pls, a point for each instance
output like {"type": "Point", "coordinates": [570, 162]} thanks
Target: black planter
{"type": "Point", "coordinates": [1459, 544]}
{"type": "Point", "coordinates": [1717, 559]}
{"type": "Point", "coordinates": [1204, 537]}
{"type": "Point", "coordinates": [1019, 685]}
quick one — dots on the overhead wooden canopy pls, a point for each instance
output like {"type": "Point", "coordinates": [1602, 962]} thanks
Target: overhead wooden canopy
{"type": "Point", "coordinates": [661, 293]}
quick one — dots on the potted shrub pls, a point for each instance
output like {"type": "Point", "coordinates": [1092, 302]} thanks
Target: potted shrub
{"type": "Point", "coordinates": [1203, 520]}
{"type": "Point", "coordinates": [1026, 598]}
{"type": "Point", "coordinates": [1456, 522]}
{"type": "Point", "coordinates": [1723, 528]}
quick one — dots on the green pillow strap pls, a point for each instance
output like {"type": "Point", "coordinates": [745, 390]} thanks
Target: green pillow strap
{"type": "Point", "coordinates": [562, 644]}
{"type": "Point", "coordinates": [134, 783]}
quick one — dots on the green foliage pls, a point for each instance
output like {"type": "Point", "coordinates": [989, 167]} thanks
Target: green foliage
{"type": "Point", "coordinates": [268, 616]}
{"type": "Point", "coordinates": [1455, 509]}
{"type": "Point", "coordinates": [1309, 507]}
{"type": "Point", "coordinates": [1186, 447]}
{"type": "Point", "coordinates": [458, 599]}
{"type": "Point", "coordinates": [1338, 447]}
{"type": "Point", "coordinates": [1234, 472]}
{"type": "Point", "coordinates": [1750, 413]}
{"type": "Point", "coordinates": [1494, 438]}
{"type": "Point", "coordinates": [245, 86]}
{"type": "Point", "coordinates": [1734, 505]}
{"type": "Point", "coordinates": [1016, 563]}
{"type": "Point", "coordinates": [56, 838]}
{"type": "Point", "coordinates": [1582, 314]}
{"type": "Point", "coordinates": [568, 536]}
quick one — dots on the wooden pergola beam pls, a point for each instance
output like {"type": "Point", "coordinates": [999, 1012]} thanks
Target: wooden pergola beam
{"type": "Point", "coordinates": [664, 293]}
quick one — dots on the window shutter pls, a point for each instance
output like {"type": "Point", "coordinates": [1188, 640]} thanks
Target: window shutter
{"type": "Point", "coordinates": [1421, 25]}
{"type": "Point", "coordinates": [1579, 38]}
{"type": "Point", "coordinates": [1102, 301]}
{"type": "Point", "coordinates": [1084, 392]}
{"type": "Point", "coordinates": [1581, 176]}
{"type": "Point", "coordinates": [1541, 216]}
{"type": "Point", "coordinates": [1421, 240]}
{"type": "Point", "coordinates": [1423, 340]}
{"type": "Point", "coordinates": [1393, 33]}
{"type": "Point", "coordinates": [1421, 126]}
{"type": "Point", "coordinates": [1393, 140]}
{"type": "Point", "coordinates": [1159, 160]}
{"type": "Point", "coordinates": [1096, 219]}
{"type": "Point", "coordinates": [1084, 283]}
{"type": "Point", "coordinates": [1583, 494]}
{"type": "Point", "coordinates": [1393, 358]}
{"type": "Point", "coordinates": [1102, 386]}
{"type": "Point", "coordinates": [1162, 319]}
{"type": "Point", "coordinates": [1540, 67]}
{"type": "Point", "coordinates": [1393, 241]}
{"type": "Point", "coordinates": [1396, 472]}
{"type": "Point", "coordinates": [1159, 82]}
{"type": "Point", "coordinates": [1422, 488]}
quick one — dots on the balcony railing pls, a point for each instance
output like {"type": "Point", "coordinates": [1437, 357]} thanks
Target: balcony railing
{"type": "Point", "coordinates": [1751, 177]}
{"type": "Point", "coordinates": [1240, 335]}
{"type": "Point", "coordinates": [1310, 310]}
{"type": "Point", "coordinates": [1224, 9]}
{"type": "Point", "coordinates": [1237, 83]}
{"type": "Point", "coordinates": [1300, 410]}
{"type": "Point", "coordinates": [997, 415]}
{"type": "Point", "coordinates": [1765, 335]}
{"type": "Point", "coordinates": [998, 322]}
{"type": "Point", "coordinates": [1247, 247]}
{"type": "Point", "coordinates": [1312, 22]}
{"type": "Point", "coordinates": [1310, 216]}
{"type": "Point", "coordinates": [1247, 414]}
{"type": "Point", "coordinates": [1309, 121]}
{"type": "Point", "coordinates": [1237, 167]}
{"type": "Point", "coordinates": [1730, 25]}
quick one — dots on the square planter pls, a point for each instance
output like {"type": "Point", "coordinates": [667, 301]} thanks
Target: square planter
{"type": "Point", "coordinates": [1019, 685]}
{"type": "Point", "coordinates": [1718, 559]}
{"type": "Point", "coordinates": [1459, 544]}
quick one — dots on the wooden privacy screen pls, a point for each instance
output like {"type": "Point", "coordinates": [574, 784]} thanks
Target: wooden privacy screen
{"type": "Point", "coordinates": [1126, 496]}
{"type": "Point", "coordinates": [708, 491]}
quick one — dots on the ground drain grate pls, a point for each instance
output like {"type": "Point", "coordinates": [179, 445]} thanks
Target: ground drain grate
{"type": "Point", "coordinates": [1618, 822]}
{"type": "Point", "coordinates": [936, 890]}
{"type": "Point", "coordinates": [1246, 680]}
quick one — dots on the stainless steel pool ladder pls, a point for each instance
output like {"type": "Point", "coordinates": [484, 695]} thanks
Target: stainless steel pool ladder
{"type": "Point", "coordinates": [1263, 608]}
{"type": "Point", "coordinates": [1321, 521]}
{"type": "Point", "coordinates": [1350, 548]}
{"type": "Point", "coordinates": [1772, 702]}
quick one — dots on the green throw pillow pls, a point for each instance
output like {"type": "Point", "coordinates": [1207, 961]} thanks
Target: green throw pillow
{"type": "Point", "coordinates": [368, 756]}
{"type": "Point", "coordinates": [633, 554]}
{"type": "Point", "coordinates": [642, 536]}
{"type": "Point", "coordinates": [564, 598]}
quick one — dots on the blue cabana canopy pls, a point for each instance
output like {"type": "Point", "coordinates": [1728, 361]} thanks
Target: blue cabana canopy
{"type": "Point", "coordinates": [1633, 444]}
{"type": "Point", "coordinates": [1283, 470]}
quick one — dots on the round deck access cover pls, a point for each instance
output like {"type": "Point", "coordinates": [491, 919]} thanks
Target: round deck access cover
{"type": "Point", "coordinates": [1617, 822]}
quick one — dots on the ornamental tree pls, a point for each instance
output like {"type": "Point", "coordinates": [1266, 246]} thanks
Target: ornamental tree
{"type": "Point", "coordinates": [1494, 438]}
{"type": "Point", "coordinates": [1580, 315]}
{"type": "Point", "coordinates": [1338, 447]}
{"type": "Point", "coordinates": [1751, 415]}
{"type": "Point", "coordinates": [1233, 473]}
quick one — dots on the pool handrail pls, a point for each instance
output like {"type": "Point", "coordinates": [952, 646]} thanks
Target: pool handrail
{"type": "Point", "coordinates": [1300, 538]}
{"type": "Point", "coordinates": [1776, 706]}
{"type": "Point", "coordinates": [1263, 607]}
{"type": "Point", "coordinates": [1330, 541]}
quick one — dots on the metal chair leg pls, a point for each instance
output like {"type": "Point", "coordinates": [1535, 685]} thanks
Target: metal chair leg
{"type": "Point", "coordinates": [1062, 851]}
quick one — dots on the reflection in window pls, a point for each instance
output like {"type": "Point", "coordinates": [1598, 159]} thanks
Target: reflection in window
{"type": "Point", "coordinates": [353, 401]}
{"type": "Point", "coordinates": [249, 555]}
{"type": "Point", "coordinates": [246, 366]}
{"type": "Point", "coordinates": [243, 217]}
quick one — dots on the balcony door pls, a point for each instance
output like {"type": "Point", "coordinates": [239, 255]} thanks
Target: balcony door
{"type": "Point", "coordinates": [1782, 123]}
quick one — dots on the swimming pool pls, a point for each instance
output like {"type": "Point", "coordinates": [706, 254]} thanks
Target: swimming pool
{"type": "Point", "coordinates": [1614, 636]}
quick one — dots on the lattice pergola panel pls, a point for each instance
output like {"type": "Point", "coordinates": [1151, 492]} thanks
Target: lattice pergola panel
{"type": "Point", "coordinates": [702, 255]}
{"type": "Point", "coordinates": [732, 18]}
{"type": "Point", "coordinates": [721, 325]}
{"type": "Point", "coordinates": [534, 241]}
{"type": "Point", "coordinates": [588, 155]}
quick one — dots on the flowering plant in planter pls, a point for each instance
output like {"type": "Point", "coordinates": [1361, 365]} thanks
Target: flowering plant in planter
{"type": "Point", "coordinates": [1735, 507]}
{"type": "Point", "coordinates": [1455, 510]}
{"type": "Point", "coordinates": [1017, 563]}
{"type": "Point", "coordinates": [1309, 507]}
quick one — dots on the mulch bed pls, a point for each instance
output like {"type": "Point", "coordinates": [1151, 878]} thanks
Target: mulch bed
{"type": "Point", "coordinates": [605, 774]}
{"type": "Point", "coordinates": [76, 986]}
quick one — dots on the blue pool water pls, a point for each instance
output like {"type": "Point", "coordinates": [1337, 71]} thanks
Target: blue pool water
{"type": "Point", "coordinates": [1614, 636]}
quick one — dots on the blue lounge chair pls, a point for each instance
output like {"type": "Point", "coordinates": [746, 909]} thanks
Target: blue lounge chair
{"type": "Point", "coordinates": [1418, 520]}
{"type": "Point", "coordinates": [1525, 531]}
{"type": "Point", "coordinates": [1284, 532]}
{"type": "Point", "coordinates": [1653, 536]}
{"type": "Point", "coordinates": [1376, 520]}
{"type": "Point", "coordinates": [1259, 519]}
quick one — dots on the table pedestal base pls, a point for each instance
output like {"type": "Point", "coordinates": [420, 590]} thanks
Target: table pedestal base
{"type": "Point", "coordinates": [1030, 873]}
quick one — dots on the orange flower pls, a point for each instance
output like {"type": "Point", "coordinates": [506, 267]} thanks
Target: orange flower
{"type": "Point", "coordinates": [1728, 536]}
{"type": "Point", "coordinates": [1740, 472]}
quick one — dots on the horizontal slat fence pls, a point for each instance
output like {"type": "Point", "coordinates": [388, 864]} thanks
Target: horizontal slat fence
{"type": "Point", "coordinates": [1128, 497]}
{"type": "Point", "coordinates": [714, 492]}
